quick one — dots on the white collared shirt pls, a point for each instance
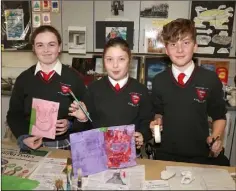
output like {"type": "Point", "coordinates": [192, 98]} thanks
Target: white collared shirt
{"type": "Point", "coordinates": [188, 72]}
{"type": "Point", "coordinates": [120, 82]}
{"type": "Point", "coordinates": [57, 68]}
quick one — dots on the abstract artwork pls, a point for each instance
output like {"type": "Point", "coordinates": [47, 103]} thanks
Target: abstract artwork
{"type": "Point", "coordinates": [43, 118]}
{"type": "Point", "coordinates": [113, 32]}
{"type": "Point", "coordinates": [97, 150]}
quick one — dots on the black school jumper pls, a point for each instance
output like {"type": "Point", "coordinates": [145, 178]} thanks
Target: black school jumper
{"type": "Point", "coordinates": [29, 86]}
{"type": "Point", "coordinates": [108, 107]}
{"type": "Point", "coordinates": [185, 111]}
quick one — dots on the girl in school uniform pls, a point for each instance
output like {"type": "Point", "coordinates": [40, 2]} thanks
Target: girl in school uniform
{"type": "Point", "coordinates": [45, 80]}
{"type": "Point", "coordinates": [116, 99]}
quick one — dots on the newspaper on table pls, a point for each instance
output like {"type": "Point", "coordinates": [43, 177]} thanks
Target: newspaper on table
{"type": "Point", "coordinates": [21, 164]}
{"type": "Point", "coordinates": [131, 178]}
{"type": "Point", "coordinates": [48, 172]}
{"type": "Point", "coordinates": [204, 179]}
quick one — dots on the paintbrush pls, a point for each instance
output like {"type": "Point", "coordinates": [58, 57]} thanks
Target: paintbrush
{"type": "Point", "coordinates": [79, 179]}
{"type": "Point", "coordinates": [81, 107]}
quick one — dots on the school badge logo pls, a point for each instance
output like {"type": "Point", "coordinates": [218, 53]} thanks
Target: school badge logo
{"type": "Point", "coordinates": [201, 94]}
{"type": "Point", "coordinates": [135, 99]}
{"type": "Point", "coordinates": [64, 89]}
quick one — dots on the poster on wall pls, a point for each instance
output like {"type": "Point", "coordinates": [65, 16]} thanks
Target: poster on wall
{"type": "Point", "coordinates": [55, 6]}
{"type": "Point", "coordinates": [117, 8]}
{"type": "Point", "coordinates": [220, 67]}
{"type": "Point", "coordinates": [153, 42]}
{"type": "Point", "coordinates": [154, 9]}
{"type": "Point", "coordinates": [77, 39]}
{"type": "Point", "coordinates": [214, 23]}
{"type": "Point", "coordinates": [14, 24]}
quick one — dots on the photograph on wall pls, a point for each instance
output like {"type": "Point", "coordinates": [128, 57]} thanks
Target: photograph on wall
{"type": "Point", "coordinates": [117, 7]}
{"type": "Point", "coordinates": [36, 5]}
{"type": "Point", "coordinates": [110, 29]}
{"type": "Point", "coordinates": [220, 67]}
{"type": "Point", "coordinates": [154, 66]}
{"type": "Point", "coordinates": [134, 69]}
{"type": "Point", "coordinates": [77, 40]}
{"type": "Point", "coordinates": [154, 9]}
{"type": "Point", "coordinates": [113, 32]}
{"type": "Point", "coordinates": [14, 24]}
{"type": "Point", "coordinates": [214, 24]}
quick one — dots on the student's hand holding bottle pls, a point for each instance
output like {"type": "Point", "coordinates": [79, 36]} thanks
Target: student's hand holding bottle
{"type": "Point", "coordinates": [75, 111]}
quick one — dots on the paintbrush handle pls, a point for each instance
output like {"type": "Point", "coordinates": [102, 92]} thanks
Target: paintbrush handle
{"type": "Point", "coordinates": [81, 107]}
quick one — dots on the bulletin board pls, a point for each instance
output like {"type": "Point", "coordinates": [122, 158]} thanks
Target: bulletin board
{"type": "Point", "coordinates": [16, 25]}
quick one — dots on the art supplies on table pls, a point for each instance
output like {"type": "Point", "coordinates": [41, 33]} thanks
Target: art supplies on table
{"type": "Point", "coordinates": [112, 147]}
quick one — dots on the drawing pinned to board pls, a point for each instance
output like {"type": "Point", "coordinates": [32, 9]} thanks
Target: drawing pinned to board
{"type": "Point", "coordinates": [36, 5]}
{"type": "Point", "coordinates": [14, 24]}
{"type": "Point", "coordinates": [36, 19]}
{"type": "Point", "coordinates": [43, 118]}
{"type": "Point", "coordinates": [215, 21]}
{"type": "Point", "coordinates": [46, 18]}
{"type": "Point", "coordinates": [46, 5]}
{"type": "Point", "coordinates": [113, 32]}
{"type": "Point", "coordinates": [55, 6]}
{"type": "Point", "coordinates": [154, 10]}
{"type": "Point", "coordinates": [117, 7]}
{"type": "Point", "coordinates": [77, 40]}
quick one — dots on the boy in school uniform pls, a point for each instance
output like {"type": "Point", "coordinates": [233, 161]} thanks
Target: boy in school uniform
{"type": "Point", "coordinates": [183, 96]}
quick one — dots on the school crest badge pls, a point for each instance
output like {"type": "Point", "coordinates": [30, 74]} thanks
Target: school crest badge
{"type": "Point", "coordinates": [201, 94]}
{"type": "Point", "coordinates": [135, 99]}
{"type": "Point", "coordinates": [64, 89]}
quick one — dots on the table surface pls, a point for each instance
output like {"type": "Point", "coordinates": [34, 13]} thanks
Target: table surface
{"type": "Point", "coordinates": [153, 168]}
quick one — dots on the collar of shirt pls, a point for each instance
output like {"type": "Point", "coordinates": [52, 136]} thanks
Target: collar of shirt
{"type": "Point", "coordinates": [57, 68]}
{"type": "Point", "coordinates": [187, 72]}
{"type": "Point", "coordinates": [120, 82]}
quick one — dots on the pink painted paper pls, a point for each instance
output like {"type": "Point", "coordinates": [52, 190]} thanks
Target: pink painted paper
{"type": "Point", "coordinates": [46, 118]}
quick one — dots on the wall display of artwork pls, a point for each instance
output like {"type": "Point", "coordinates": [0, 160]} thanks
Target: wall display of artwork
{"type": "Point", "coordinates": [214, 23]}
{"type": "Point", "coordinates": [154, 66]}
{"type": "Point", "coordinates": [155, 10]}
{"type": "Point", "coordinates": [220, 67]}
{"type": "Point", "coordinates": [106, 30]}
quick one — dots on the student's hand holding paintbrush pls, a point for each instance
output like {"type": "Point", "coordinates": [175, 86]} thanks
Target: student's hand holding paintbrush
{"type": "Point", "coordinates": [77, 112]}
{"type": "Point", "coordinates": [215, 145]}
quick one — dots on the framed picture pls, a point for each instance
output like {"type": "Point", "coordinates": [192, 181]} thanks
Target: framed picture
{"type": "Point", "coordinates": [105, 30]}
{"type": "Point", "coordinates": [154, 66]}
{"type": "Point", "coordinates": [135, 65]}
{"type": "Point", "coordinates": [99, 66]}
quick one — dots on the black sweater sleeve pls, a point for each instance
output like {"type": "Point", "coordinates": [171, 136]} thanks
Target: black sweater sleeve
{"type": "Point", "coordinates": [16, 120]}
{"type": "Point", "coordinates": [145, 116]}
{"type": "Point", "coordinates": [216, 104]}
